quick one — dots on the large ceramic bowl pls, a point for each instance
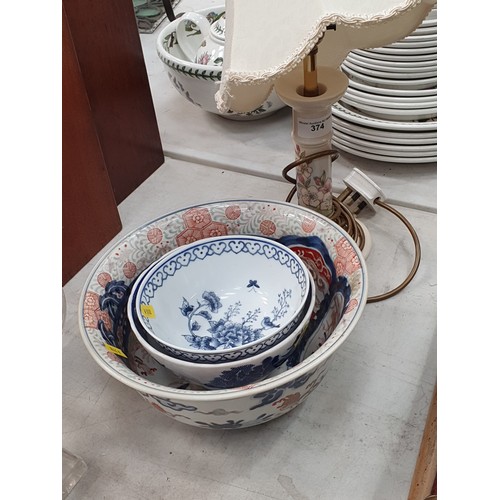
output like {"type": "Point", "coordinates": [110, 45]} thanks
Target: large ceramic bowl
{"type": "Point", "coordinates": [223, 295]}
{"type": "Point", "coordinates": [224, 375]}
{"type": "Point", "coordinates": [198, 83]}
{"type": "Point", "coordinates": [336, 265]}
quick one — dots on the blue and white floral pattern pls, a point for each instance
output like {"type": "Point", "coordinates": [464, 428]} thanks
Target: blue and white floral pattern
{"type": "Point", "coordinates": [216, 325]}
{"type": "Point", "coordinates": [227, 332]}
{"type": "Point", "coordinates": [247, 374]}
{"type": "Point", "coordinates": [215, 357]}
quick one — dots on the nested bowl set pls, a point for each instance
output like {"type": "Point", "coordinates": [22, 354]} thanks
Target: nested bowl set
{"type": "Point", "coordinates": [225, 314]}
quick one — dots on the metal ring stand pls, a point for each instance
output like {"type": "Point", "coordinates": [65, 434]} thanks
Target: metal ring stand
{"type": "Point", "coordinates": [343, 216]}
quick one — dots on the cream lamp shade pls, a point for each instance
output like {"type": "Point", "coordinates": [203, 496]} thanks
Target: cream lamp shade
{"type": "Point", "coordinates": [267, 39]}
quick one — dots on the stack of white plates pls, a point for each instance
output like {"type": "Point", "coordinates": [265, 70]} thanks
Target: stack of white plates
{"type": "Point", "coordinates": [389, 111]}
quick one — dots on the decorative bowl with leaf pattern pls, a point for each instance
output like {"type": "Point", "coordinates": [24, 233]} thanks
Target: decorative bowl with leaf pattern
{"type": "Point", "coordinates": [197, 82]}
{"type": "Point", "coordinates": [336, 265]}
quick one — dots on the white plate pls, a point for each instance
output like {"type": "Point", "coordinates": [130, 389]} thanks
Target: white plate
{"type": "Point", "coordinates": [352, 116]}
{"type": "Point", "coordinates": [384, 136]}
{"type": "Point", "coordinates": [393, 92]}
{"type": "Point", "coordinates": [414, 84]}
{"type": "Point", "coordinates": [386, 148]}
{"type": "Point", "coordinates": [391, 102]}
{"type": "Point", "coordinates": [392, 153]}
{"type": "Point", "coordinates": [388, 113]}
{"type": "Point", "coordinates": [428, 22]}
{"type": "Point", "coordinates": [385, 158]}
{"type": "Point", "coordinates": [392, 75]}
{"type": "Point", "coordinates": [427, 136]}
{"type": "Point", "coordinates": [415, 37]}
{"type": "Point", "coordinates": [432, 15]}
{"type": "Point", "coordinates": [391, 66]}
{"type": "Point", "coordinates": [426, 29]}
{"type": "Point", "coordinates": [413, 43]}
{"type": "Point", "coordinates": [396, 57]}
{"type": "Point", "coordinates": [403, 52]}
{"type": "Point", "coordinates": [431, 23]}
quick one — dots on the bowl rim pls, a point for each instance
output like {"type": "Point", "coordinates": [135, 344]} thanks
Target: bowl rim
{"type": "Point", "coordinates": [309, 363]}
{"type": "Point", "coordinates": [189, 246]}
{"type": "Point", "coordinates": [169, 29]}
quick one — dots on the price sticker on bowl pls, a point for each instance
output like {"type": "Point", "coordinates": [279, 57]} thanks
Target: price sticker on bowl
{"type": "Point", "coordinates": [115, 350]}
{"type": "Point", "coordinates": [310, 128]}
{"type": "Point", "coordinates": [147, 311]}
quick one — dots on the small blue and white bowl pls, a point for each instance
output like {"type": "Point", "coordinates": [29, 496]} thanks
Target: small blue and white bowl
{"type": "Point", "coordinates": [223, 298]}
{"type": "Point", "coordinates": [229, 374]}
{"type": "Point", "coordinates": [215, 356]}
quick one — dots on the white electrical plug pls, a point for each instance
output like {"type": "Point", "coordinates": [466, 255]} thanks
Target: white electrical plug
{"type": "Point", "coordinates": [364, 191]}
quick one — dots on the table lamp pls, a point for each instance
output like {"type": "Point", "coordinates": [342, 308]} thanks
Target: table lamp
{"type": "Point", "coordinates": [297, 47]}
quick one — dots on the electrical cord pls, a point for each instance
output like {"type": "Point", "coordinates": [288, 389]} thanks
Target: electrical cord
{"type": "Point", "coordinates": [416, 262]}
{"type": "Point", "coordinates": [346, 219]}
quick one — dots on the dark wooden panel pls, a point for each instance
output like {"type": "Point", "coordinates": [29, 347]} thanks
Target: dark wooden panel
{"type": "Point", "coordinates": [89, 213]}
{"type": "Point", "coordinates": [110, 55]}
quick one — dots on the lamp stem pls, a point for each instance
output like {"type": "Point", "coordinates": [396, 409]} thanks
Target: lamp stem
{"type": "Point", "coordinates": [312, 128]}
{"type": "Point", "coordinates": [311, 88]}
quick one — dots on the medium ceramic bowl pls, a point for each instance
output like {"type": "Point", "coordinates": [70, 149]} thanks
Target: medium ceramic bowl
{"type": "Point", "coordinates": [337, 267]}
{"type": "Point", "coordinates": [225, 295]}
{"type": "Point", "coordinates": [225, 375]}
{"type": "Point", "coordinates": [198, 83]}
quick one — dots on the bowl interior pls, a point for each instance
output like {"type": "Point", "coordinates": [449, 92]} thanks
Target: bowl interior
{"type": "Point", "coordinates": [222, 293]}
{"type": "Point", "coordinates": [335, 262]}
{"type": "Point", "coordinates": [293, 330]}
{"type": "Point", "coordinates": [234, 372]}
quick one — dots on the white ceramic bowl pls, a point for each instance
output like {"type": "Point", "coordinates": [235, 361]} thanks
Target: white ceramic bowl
{"type": "Point", "coordinates": [212, 356]}
{"type": "Point", "coordinates": [337, 267]}
{"type": "Point", "coordinates": [229, 374]}
{"type": "Point", "coordinates": [223, 295]}
{"type": "Point", "coordinates": [198, 83]}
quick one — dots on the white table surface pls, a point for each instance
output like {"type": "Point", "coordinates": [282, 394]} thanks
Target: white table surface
{"type": "Point", "coordinates": [356, 437]}
{"type": "Point", "coordinates": [262, 147]}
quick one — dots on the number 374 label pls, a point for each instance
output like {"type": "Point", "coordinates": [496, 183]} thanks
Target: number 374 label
{"type": "Point", "coordinates": [309, 128]}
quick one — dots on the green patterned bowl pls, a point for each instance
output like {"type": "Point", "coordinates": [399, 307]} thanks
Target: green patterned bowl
{"type": "Point", "coordinates": [198, 83]}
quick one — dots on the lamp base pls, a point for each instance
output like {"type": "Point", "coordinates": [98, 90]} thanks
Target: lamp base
{"type": "Point", "coordinates": [312, 132]}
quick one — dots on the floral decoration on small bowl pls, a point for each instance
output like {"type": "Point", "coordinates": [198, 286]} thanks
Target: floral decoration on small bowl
{"type": "Point", "coordinates": [237, 372]}
{"type": "Point", "coordinates": [226, 331]}
{"type": "Point", "coordinates": [222, 294]}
